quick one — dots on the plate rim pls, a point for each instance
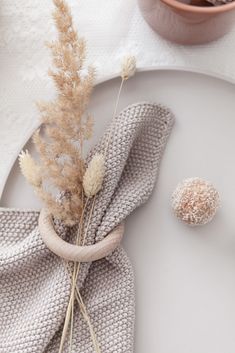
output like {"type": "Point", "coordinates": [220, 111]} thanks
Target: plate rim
{"type": "Point", "coordinates": [107, 78]}
{"type": "Point", "coordinates": [194, 70]}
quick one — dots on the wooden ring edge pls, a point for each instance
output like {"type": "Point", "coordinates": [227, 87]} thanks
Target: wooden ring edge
{"type": "Point", "coordinates": [71, 252]}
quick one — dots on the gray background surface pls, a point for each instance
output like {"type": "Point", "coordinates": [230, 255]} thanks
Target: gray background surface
{"type": "Point", "coordinates": [185, 277]}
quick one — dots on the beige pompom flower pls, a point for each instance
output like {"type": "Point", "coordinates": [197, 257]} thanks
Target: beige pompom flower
{"type": "Point", "coordinates": [94, 175]}
{"type": "Point", "coordinates": [128, 67]}
{"type": "Point", "coordinates": [30, 169]}
{"type": "Point", "coordinates": [195, 201]}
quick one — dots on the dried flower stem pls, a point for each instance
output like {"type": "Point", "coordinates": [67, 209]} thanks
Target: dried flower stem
{"type": "Point", "coordinates": [74, 289]}
{"type": "Point", "coordinates": [76, 267]}
{"type": "Point", "coordinates": [71, 328]}
{"type": "Point", "coordinates": [80, 226]}
{"type": "Point", "coordinates": [78, 264]}
{"type": "Point", "coordinates": [72, 318]}
{"type": "Point", "coordinates": [128, 69]}
{"type": "Point", "coordinates": [89, 219]}
{"type": "Point", "coordinates": [118, 97]}
{"type": "Point", "coordinates": [84, 312]}
{"type": "Point", "coordinates": [66, 322]}
{"type": "Point", "coordinates": [114, 114]}
{"type": "Point", "coordinates": [87, 318]}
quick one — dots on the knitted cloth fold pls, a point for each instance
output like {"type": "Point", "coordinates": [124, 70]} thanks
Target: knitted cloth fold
{"type": "Point", "coordinates": [34, 283]}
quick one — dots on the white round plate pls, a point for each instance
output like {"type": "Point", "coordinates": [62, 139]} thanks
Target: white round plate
{"type": "Point", "coordinates": [185, 277]}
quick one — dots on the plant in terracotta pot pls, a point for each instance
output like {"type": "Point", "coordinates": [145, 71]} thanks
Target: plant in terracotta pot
{"type": "Point", "coordinates": [189, 21]}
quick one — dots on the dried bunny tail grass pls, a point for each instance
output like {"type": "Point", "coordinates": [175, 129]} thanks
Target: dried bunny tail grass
{"type": "Point", "coordinates": [30, 169]}
{"type": "Point", "coordinates": [128, 67]}
{"type": "Point", "coordinates": [94, 175]}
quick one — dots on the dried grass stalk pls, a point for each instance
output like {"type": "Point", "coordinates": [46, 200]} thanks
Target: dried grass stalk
{"type": "Point", "coordinates": [65, 123]}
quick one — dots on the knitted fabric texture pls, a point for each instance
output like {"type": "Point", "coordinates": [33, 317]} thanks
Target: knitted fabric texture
{"type": "Point", "coordinates": [34, 283]}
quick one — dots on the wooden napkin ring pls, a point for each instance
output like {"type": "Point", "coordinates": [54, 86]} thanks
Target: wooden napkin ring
{"type": "Point", "coordinates": [71, 252]}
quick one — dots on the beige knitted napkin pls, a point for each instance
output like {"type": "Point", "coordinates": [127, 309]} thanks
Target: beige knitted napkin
{"type": "Point", "coordinates": [34, 285]}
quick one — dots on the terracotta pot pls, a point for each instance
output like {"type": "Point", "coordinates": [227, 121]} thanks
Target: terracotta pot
{"type": "Point", "coordinates": [187, 24]}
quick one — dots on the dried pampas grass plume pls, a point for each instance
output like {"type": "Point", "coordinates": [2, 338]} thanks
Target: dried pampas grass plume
{"type": "Point", "coordinates": [65, 124]}
{"type": "Point", "coordinates": [94, 175]}
{"type": "Point", "coordinates": [30, 169]}
{"type": "Point", "coordinates": [128, 67]}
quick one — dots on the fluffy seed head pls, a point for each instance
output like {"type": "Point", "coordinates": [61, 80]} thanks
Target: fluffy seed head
{"type": "Point", "coordinates": [94, 175]}
{"type": "Point", "coordinates": [128, 67]}
{"type": "Point", "coordinates": [195, 201]}
{"type": "Point", "coordinates": [30, 169]}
